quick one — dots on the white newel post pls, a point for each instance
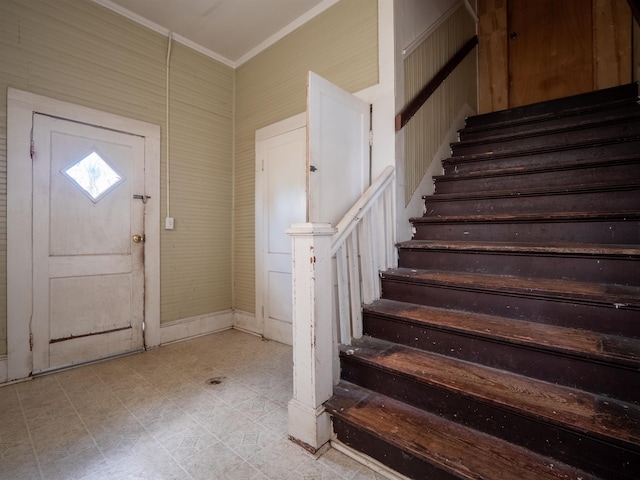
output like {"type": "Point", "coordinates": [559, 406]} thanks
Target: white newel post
{"type": "Point", "coordinates": [309, 424]}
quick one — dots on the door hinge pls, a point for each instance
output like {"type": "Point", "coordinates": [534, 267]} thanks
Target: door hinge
{"type": "Point", "coordinates": [370, 138]}
{"type": "Point", "coordinates": [31, 342]}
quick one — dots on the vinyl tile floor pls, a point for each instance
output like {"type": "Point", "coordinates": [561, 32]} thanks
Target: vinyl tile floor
{"type": "Point", "coordinates": [214, 407]}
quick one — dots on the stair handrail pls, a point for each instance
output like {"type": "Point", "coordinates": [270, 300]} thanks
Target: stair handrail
{"type": "Point", "coordinates": [363, 244]}
{"type": "Point", "coordinates": [414, 105]}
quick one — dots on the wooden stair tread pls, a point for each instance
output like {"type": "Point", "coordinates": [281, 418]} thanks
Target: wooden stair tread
{"type": "Point", "coordinates": [530, 217]}
{"type": "Point", "coordinates": [603, 119]}
{"type": "Point", "coordinates": [629, 185]}
{"type": "Point", "coordinates": [581, 116]}
{"type": "Point", "coordinates": [615, 295]}
{"type": "Point", "coordinates": [612, 250]}
{"type": "Point", "coordinates": [560, 405]}
{"type": "Point", "coordinates": [560, 106]}
{"type": "Point", "coordinates": [474, 157]}
{"type": "Point", "coordinates": [454, 448]}
{"type": "Point", "coordinates": [572, 341]}
{"type": "Point", "coordinates": [546, 157]}
{"type": "Point", "coordinates": [522, 170]}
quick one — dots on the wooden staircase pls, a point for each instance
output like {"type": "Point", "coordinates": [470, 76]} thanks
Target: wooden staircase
{"type": "Point", "coordinates": [507, 343]}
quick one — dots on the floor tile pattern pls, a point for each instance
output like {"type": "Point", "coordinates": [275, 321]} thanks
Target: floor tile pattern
{"type": "Point", "coordinates": [214, 407]}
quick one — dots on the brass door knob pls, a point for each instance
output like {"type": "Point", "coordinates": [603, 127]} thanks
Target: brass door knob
{"type": "Point", "coordinates": [137, 238]}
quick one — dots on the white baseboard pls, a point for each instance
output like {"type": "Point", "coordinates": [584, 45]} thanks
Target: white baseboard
{"type": "Point", "coordinates": [3, 369]}
{"type": "Point", "coordinates": [367, 461]}
{"type": "Point", "coordinates": [246, 322]}
{"type": "Point", "coordinates": [195, 326]}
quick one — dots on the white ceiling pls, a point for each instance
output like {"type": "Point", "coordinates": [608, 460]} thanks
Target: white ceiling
{"type": "Point", "coordinates": [231, 31]}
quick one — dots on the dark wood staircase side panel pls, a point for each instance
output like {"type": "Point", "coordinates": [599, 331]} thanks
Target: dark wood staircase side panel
{"type": "Point", "coordinates": [581, 267]}
{"type": "Point", "coordinates": [587, 228]}
{"type": "Point", "coordinates": [598, 318]}
{"type": "Point", "coordinates": [553, 107]}
{"type": "Point", "coordinates": [571, 447]}
{"type": "Point", "coordinates": [555, 367]}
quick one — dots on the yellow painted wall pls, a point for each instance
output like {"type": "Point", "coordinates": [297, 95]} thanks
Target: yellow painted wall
{"type": "Point", "coordinates": [341, 44]}
{"type": "Point", "coordinates": [80, 52]}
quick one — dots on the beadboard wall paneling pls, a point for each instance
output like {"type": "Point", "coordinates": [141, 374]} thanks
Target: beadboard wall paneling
{"type": "Point", "coordinates": [341, 44]}
{"type": "Point", "coordinates": [426, 131]}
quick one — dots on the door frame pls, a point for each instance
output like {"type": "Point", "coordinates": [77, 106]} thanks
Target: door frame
{"type": "Point", "coordinates": [20, 109]}
{"type": "Point", "coordinates": [274, 130]}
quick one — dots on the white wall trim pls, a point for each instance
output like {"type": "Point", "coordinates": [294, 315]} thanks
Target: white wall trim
{"type": "Point", "coordinates": [406, 51]}
{"type": "Point", "coordinates": [315, 11]}
{"type": "Point", "coordinates": [163, 31]}
{"type": "Point", "coordinates": [276, 37]}
{"type": "Point", "coordinates": [186, 328]}
{"type": "Point", "coordinates": [366, 460]}
{"type": "Point", "coordinates": [20, 108]}
{"type": "Point", "coordinates": [246, 322]}
{"type": "Point", "coordinates": [281, 127]}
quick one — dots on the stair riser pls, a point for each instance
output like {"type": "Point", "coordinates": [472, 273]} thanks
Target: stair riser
{"type": "Point", "coordinates": [589, 100]}
{"type": "Point", "coordinates": [605, 232]}
{"type": "Point", "coordinates": [572, 447]}
{"type": "Point", "coordinates": [614, 201]}
{"type": "Point", "coordinates": [602, 174]}
{"type": "Point", "coordinates": [598, 318]}
{"type": "Point", "coordinates": [539, 160]}
{"type": "Point", "coordinates": [604, 269]}
{"type": "Point", "coordinates": [590, 136]}
{"type": "Point", "coordinates": [387, 454]}
{"type": "Point", "coordinates": [622, 110]}
{"type": "Point", "coordinates": [593, 376]}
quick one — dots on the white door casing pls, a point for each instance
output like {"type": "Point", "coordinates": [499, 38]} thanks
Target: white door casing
{"type": "Point", "coordinates": [21, 108]}
{"type": "Point", "coordinates": [280, 202]}
{"type": "Point", "coordinates": [88, 274]}
{"type": "Point", "coordinates": [338, 125]}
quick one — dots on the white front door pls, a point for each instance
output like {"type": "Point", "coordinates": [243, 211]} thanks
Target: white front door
{"type": "Point", "coordinates": [281, 201]}
{"type": "Point", "coordinates": [88, 243]}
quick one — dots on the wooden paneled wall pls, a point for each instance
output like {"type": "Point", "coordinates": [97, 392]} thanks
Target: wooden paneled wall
{"type": "Point", "coordinates": [612, 55]}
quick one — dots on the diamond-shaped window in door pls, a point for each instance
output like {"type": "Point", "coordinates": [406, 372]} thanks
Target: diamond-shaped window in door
{"type": "Point", "coordinates": [93, 175]}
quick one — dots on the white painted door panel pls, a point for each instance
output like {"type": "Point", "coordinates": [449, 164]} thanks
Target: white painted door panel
{"type": "Point", "coordinates": [338, 151]}
{"type": "Point", "coordinates": [88, 275]}
{"type": "Point", "coordinates": [282, 195]}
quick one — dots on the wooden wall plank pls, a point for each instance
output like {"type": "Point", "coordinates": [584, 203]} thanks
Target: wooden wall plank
{"type": "Point", "coordinates": [493, 78]}
{"type": "Point", "coordinates": [611, 43]}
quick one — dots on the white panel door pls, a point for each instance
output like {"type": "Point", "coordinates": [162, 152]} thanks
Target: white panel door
{"type": "Point", "coordinates": [338, 151]}
{"type": "Point", "coordinates": [282, 197]}
{"type": "Point", "coordinates": [88, 270]}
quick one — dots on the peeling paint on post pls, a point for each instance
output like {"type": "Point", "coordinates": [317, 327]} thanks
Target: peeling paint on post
{"type": "Point", "coordinates": [309, 424]}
